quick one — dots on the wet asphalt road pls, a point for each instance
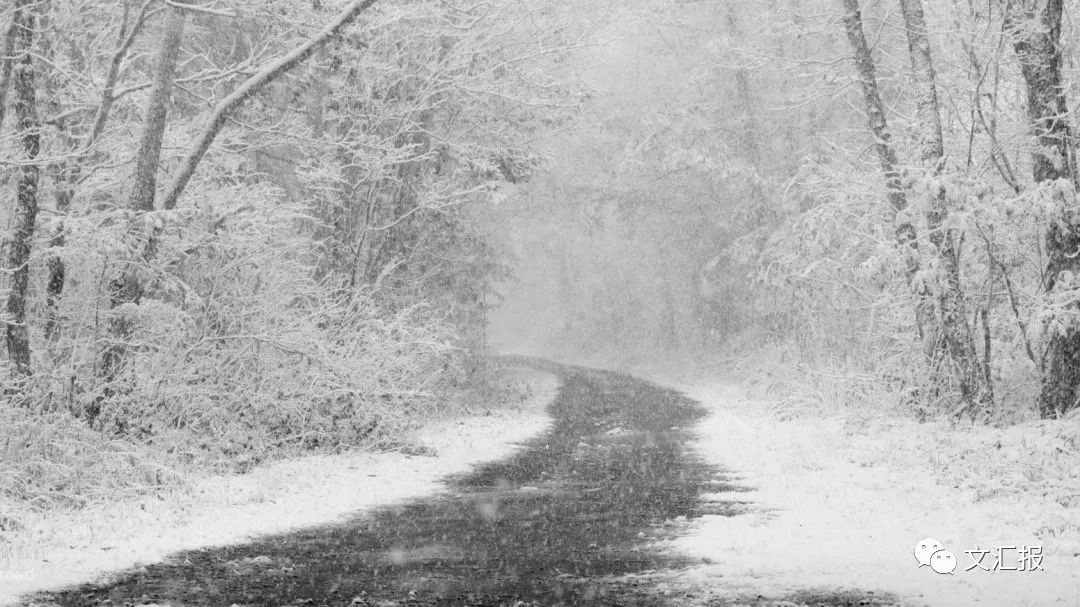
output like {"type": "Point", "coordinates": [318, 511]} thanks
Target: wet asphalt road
{"type": "Point", "coordinates": [555, 524]}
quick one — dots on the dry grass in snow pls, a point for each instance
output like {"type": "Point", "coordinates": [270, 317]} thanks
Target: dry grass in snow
{"type": "Point", "coordinates": [61, 549]}
{"type": "Point", "coordinates": [840, 501]}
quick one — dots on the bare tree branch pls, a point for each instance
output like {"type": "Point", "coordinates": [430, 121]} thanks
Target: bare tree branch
{"type": "Point", "coordinates": [251, 86]}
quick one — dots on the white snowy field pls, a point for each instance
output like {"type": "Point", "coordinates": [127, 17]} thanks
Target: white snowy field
{"type": "Point", "coordinates": [94, 544]}
{"type": "Point", "coordinates": [841, 503]}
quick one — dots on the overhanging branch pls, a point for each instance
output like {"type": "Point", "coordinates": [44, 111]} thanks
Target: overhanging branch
{"type": "Point", "coordinates": [250, 87]}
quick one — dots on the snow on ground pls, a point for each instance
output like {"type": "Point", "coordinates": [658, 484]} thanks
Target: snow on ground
{"type": "Point", "coordinates": [274, 498]}
{"type": "Point", "coordinates": [837, 504]}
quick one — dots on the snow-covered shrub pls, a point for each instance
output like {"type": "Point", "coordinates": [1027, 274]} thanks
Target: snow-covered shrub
{"type": "Point", "coordinates": [54, 461]}
{"type": "Point", "coordinates": [235, 351]}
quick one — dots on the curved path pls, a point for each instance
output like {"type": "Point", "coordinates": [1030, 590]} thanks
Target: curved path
{"type": "Point", "coordinates": [555, 524]}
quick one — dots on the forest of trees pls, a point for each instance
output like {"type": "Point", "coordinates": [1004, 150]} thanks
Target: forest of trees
{"type": "Point", "coordinates": [239, 228]}
{"type": "Point", "coordinates": [879, 188]}
{"type": "Point", "coordinates": [244, 228]}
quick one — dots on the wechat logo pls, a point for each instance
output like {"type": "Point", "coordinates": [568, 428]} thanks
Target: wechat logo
{"type": "Point", "coordinates": [930, 552]}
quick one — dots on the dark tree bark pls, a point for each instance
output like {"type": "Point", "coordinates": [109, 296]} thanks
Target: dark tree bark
{"type": "Point", "coordinates": [157, 112]}
{"type": "Point", "coordinates": [6, 63]}
{"type": "Point", "coordinates": [879, 127]}
{"type": "Point", "coordinates": [1035, 26]}
{"type": "Point", "coordinates": [956, 333]}
{"type": "Point", "coordinates": [876, 120]}
{"type": "Point", "coordinates": [1036, 31]}
{"type": "Point", "coordinates": [26, 205]}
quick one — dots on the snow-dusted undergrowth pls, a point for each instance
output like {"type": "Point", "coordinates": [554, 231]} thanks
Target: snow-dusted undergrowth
{"type": "Point", "coordinates": [98, 542]}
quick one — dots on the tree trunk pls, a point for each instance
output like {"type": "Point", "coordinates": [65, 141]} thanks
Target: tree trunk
{"type": "Point", "coordinates": [157, 111]}
{"type": "Point", "coordinates": [126, 286]}
{"type": "Point", "coordinates": [879, 127]}
{"type": "Point", "coordinates": [1036, 31]}
{"type": "Point", "coordinates": [956, 333]}
{"type": "Point", "coordinates": [6, 64]}
{"type": "Point", "coordinates": [875, 114]}
{"type": "Point", "coordinates": [26, 207]}
{"type": "Point", "coordinates": [1039, 50]}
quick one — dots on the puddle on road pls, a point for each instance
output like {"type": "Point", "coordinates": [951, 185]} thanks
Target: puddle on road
{"type": "Point", "coordinates": [581, 503]}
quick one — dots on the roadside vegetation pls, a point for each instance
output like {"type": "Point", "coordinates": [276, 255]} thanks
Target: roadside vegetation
{"type": "Point", "coordinates": [122, 531]}
{"type": "Point", "coordinates": [240, 232]}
